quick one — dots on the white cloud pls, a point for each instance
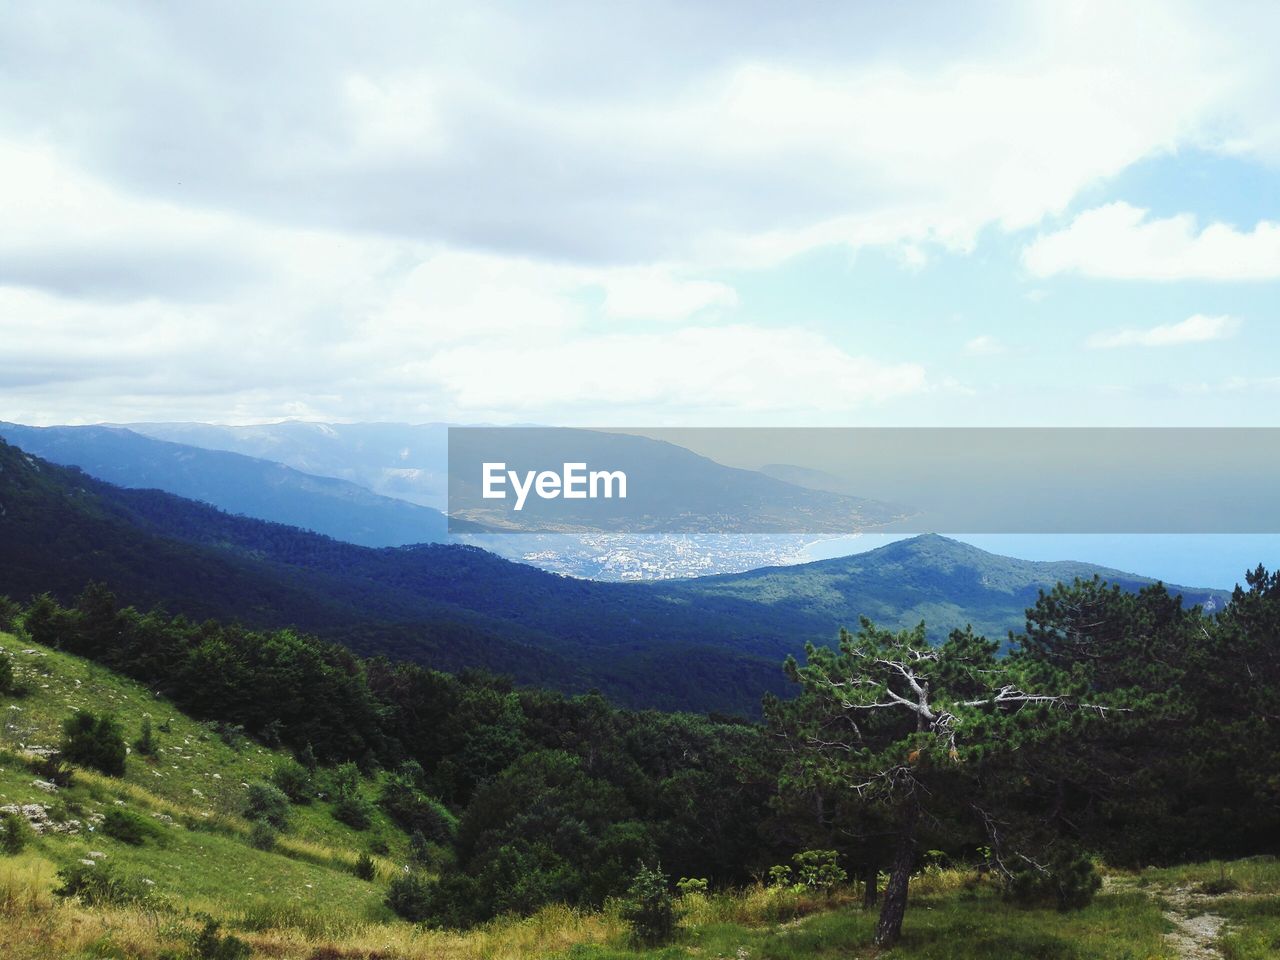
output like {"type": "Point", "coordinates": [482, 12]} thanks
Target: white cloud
{"type": "Point", "coordinates": [985, 346]}
{"type": "Point", "coordinates": [1119, 240]}
{"type": "Point", "coordinates": [488, 126]}
{"type": "Point", "coordinates": [1195, 329]}
{"type": "Point", "coordinates": [456, 295]}
{"type": "Point", "coordinates": [658, 293]}
{"type": "Point", "coordinates": [696, 370]}
{"type": "Point", "coordinates": [368, 213]}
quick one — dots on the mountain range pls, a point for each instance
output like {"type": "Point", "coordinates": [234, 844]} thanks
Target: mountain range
{"type": "Point", "coordinates": [234, 482]}
{"type": "Point", "coordinates": [711, 643]}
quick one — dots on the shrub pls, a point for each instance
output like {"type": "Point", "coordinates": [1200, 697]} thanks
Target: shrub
{"type": "Point", "coordinates": [95, 742]}
{"type": "Point", "coordinates": [6, 670]}
{"type": "Point", "coordinates": [349, 804]}
{"type": "Point", "coordinates": [691, 885]}
{"type": "Point", "coordinates": [10, 618]}
{"type": "Point", "coordinates": [456, 900]}
{"type": "Point", "coordinates": [272, 733]}
{"type": "Point", "coordinates": [780, 875]}
{"type": "Point", "coordinates": [818, 870]}
{"type": "Point", "coordinates": [15, 833]}
{"type": "Point", "coordinates": [262, 835]}
{"type": "Point", "coordinates": [410, 896]}
{"type": "Point", "coordinates": [232, 734]}
{"type": "Point", "coordinates": [53, 769]}
{"type": "Point", "coordinates": [294, 780]}
{"type": "Point", "coordinates": [212, 945]}
{"type": "Point", "coordinates": [648, 907]}
{"type": "Point", "coordinates": [129, 827]}
{"type": "Point", "coordinates": [364, 867]}
{"type": "Point", "coordinates": [1069, 881]}
{"type": "Point", "coordinates": [267, 802]}
{"type": "Point", "coordinates": [146, 742]}
{"type": "Point", "coordinates": [409, 806]}
{"type": "Point", "coordinates": [99, 884]}
{"type": "Point", "coordinates": [353, 810]}
{"type": "Point", "coordinates": [307, 757]}
{"type": "Point", "coordinates": [420, 849]}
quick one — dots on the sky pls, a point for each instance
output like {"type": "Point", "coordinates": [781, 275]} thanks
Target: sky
{"type": "Point", "coordinates": [655, 214]}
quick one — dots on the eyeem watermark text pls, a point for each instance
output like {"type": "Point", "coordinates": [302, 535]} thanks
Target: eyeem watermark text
{"type": "Point", "coordinates": [574, 482]}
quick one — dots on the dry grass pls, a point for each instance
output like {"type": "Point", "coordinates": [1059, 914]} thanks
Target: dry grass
{"type": "Point", "coordinates": [36, 926]}
{"type": "Point", "coordinates": [26, 885]}
{"type": "Point", "coordinates": [759, 906]}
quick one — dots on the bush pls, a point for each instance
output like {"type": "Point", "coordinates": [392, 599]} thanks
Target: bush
{"type": "Point", "coordinates": [413, 809]}
{"type": "Point", "coordinates": [692, 886]}
{"type": "Point", "coordinates": [6, 671]}
{"type": "Point", "coordinates": [212, 945]}
{"type": "Point", "coordinates": [99, 884]}
{"type": "Point", "coordinates": [262, 835]}
{"type": "Point", "coordinates": [15, 833]}
{"type": "Point", "coordinates": [10, 618]}
{"type": "Point", "coordinates": [267, 802]}
{"type": "Point", "coordinates": [53, 769]}
{"type": "Point", "coordinates": [349, 804]}
{"type": "Point", "coordinates": [364, 867]}
{"type": "Point", "coordinates": [1069, 881]}
{"type": "Point", "coordinates": [1217, 887]}
{"type": "Point", "coordinates": [95, 742]}
{"type": "Point", "coordinates": [353, 810]}
{"type": "Point", "coordinates": [129, 827]}
{"type": "Point", "coordinates": [410, 897]}
{"type": "Point", "coordinates": [232, 734]}
{"type": "Point", "coordinates": [779, 875]}
{"type": "Point", "coordinates": [294, 780]}
{"type": "Point", "coordinates": [146, 742]}
{"type": "Point", "coordinates": [818, 870]}
{"type": "Point", "coordinates": [420, 848]}
{"type": "Point", "coordinates": [648, 907]}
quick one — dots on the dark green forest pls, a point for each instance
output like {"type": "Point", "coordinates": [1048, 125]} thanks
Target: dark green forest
{"type": "Point", "coordinates": [708, 644]}
{"type": "Point", "coordinates": [1118, 725]}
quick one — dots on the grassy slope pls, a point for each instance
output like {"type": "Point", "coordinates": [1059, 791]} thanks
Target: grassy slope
{"type": "Point", "coordinates": [196, 779]}
{"type": "Point", "coordinates": [303, 900]}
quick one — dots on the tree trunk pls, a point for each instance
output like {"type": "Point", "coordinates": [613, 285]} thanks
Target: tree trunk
{"type": "Point", "coordinates": [870, 877]}
{"type": "Point", "coordinates": [889, 927]}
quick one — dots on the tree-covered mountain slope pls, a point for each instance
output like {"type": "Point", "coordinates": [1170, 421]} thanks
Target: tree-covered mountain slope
{"type": "Point", "coordinates": [710, 643]}
{"type": "Point", "coordinates": [233, 482]}
{"type": "Point", "coordinates": [447, 607]}
{"type": "Point", "coordinates": [944, 582]}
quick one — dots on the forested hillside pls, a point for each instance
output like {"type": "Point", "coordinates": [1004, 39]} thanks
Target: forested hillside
{"type": "Point", "coordinates": [712, 643]}
{"type": "Point", "coordinates": [1120, 726]}
{"type": "Point", "coordinates": [234, 483]}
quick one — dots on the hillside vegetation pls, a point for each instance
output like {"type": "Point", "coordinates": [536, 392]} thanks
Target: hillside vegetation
{"type": "Point", "coordinates": [235, 483]}
{"type": "Point", "coordinates": [710, 644]}
{"type": "Point", "coordinates": [302, 899]}
{"type": "Point", "coordinates": [433, 815]}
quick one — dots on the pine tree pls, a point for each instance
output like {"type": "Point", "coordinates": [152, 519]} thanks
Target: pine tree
{"type": "Point", "coordinates": [946, 737]}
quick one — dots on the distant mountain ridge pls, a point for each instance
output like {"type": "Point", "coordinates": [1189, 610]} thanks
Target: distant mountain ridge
{"type": "Point", "coordinates": [713, 643]}
{"type": "Point", "coordinates": [401, 460]}
{"type": "Point", "coordinates": [944, 582]}
{"type": "Point", "coordinates": [240, 484]}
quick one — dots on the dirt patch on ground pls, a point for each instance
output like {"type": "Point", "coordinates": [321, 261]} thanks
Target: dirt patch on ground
{"type": "Point", "coordinates": [1197, 929]}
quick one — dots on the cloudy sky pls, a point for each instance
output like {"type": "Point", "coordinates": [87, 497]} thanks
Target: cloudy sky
{"type": "Point", "coordinates": [715, 213]}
